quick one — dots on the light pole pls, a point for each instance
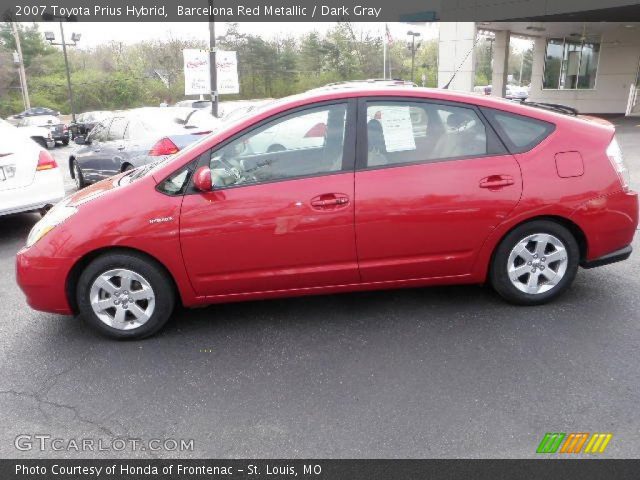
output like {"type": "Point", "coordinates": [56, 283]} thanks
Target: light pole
{"type": "Point", "coordinates": [75, 38]}
{"type": "Point", "coordinates": [413, 47]}
{"type": "Point", "coordinates": [20, 61]}
{"type": "Point", "coordinates": [213, 71]}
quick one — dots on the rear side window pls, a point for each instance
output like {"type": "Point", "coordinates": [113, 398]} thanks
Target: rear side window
{"type": "Point", "coordinates": [401, 132]}
{"type": "Point", "coordinates": [520, 133]}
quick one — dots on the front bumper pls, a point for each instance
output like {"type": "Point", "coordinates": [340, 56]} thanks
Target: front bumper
{"type": "Point", "coordinates": [613, 257]}
{"type": "Point", "coordinates": [43, 280]}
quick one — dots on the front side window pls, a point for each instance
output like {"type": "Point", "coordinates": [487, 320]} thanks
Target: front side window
{"type": "Point", "coordinates": [414, 132]}
{"type": "Point", "coordinates": [570, 64]}
{"type": "Point", "coordinates": [99, 132]}
{"type": "Point", "coordinates": [304, 143]}
{"type": "Point", "coordinates": [117, 128]}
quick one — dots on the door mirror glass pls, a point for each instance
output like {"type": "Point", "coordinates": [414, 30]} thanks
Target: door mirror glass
{"type": "Point", "coordinates": [80, 140]}
{"type": "Point", "coordinates": [202, 179]}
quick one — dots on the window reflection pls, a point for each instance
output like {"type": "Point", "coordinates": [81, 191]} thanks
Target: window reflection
{"type": "Point", "coordinates": [570, 64]}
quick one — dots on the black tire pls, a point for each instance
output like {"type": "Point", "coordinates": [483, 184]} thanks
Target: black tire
{"type": "Point", "coordinates": [499, 275]}
{"type": "Point", "coordinates": [127, 167]}
{"type": "Point", "coordinates": [154, 275]}
{"type": "Point", "coordinates": [77, 175]}
{"type": "Point", "coordinates": [65, 142]}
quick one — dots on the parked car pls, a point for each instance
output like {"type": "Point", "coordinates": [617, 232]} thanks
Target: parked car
{"type": "Point", "coordinates": [86, 121]}
{"type": "Point", "coordinates": [41, 135]}
{"type": "Point", "coordinates": [193, 104]}
{"type": "Point", "coordinates": [32, 112]}
{"type": "Point", "coordinates": [514, 92]}
{"type": "Point", "coordinates": [59, 131]}
{"type": "Point", "coordinates": [134, 138]}
{"type": "Point", "coordinates": [493, 192]}
{"type": "Point", "coordinates": [482, 89]}
{"type": "Point", "coordinates": [30, 179]}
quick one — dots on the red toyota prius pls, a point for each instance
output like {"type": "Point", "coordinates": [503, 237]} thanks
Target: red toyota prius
{"type": "Point", "coordinates": [339, 190]}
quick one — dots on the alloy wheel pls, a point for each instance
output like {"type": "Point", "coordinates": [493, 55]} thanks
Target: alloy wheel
{"type": "Point", "coordinates": [122, 299]}
{"type": "Point", "coordinates": [537, 263]}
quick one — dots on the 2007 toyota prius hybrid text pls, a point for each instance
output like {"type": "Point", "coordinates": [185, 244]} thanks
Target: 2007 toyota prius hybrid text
{"type": "Point", "coordinates": [335, 190]}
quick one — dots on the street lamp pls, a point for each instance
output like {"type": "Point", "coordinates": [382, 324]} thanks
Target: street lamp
{"type": "Point", "coordinates": [413, 47]}
{"type": "Point", "coordinates": [75, 38]}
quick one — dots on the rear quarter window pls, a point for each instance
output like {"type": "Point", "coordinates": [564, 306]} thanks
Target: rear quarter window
{"type": "Point", "coordinates": [519, 132]}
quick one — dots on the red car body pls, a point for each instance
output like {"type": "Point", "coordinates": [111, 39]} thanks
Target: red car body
{"type": "Point", "coordinates": [414, 225]}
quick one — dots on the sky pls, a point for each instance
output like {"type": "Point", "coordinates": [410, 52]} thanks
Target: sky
{"type": "Point", "coordinates": [96, 33]}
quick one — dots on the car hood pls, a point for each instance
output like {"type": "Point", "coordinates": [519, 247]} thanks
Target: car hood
{"type": "Point", "coordinates": [94, 191]}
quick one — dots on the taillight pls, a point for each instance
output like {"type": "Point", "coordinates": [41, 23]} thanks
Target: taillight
{"type": "Point", "coordinates": [318, 130]}
{"type": "Point", "coordinates": [617, 162]}
{"type": "Point", "coordinates": [163, 147]}
{"type": "Point", "coordinates": [45, 161]}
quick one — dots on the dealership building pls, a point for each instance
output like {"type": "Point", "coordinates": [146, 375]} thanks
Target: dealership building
{"type": "Point", "coordinates": [590, 65]}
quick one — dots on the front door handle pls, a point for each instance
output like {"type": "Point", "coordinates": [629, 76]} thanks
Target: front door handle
{"type": "Point", "coordinates": [329, 201]}
{"type": "Point", "coordinates": [496, 181]}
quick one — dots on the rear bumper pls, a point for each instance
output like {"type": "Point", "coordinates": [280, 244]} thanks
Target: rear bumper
{"type": "Point", "coordinates": [609, 224]}
{"type": "Point", "coordinates": [46, 189]}
{"type": "Point", "coordinates": [613, 257]}
{"type": "Point", "coordinates": [43, 280]}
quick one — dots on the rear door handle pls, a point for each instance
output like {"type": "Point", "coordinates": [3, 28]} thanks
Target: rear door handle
{"type": "Point", "coordinates": [329, 201]}
{"type": "Point", "coordinates": [496, 181]}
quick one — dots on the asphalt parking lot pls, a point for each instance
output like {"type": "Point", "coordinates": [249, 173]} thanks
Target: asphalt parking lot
{"type": "Point", "coordinates": [441, 372]}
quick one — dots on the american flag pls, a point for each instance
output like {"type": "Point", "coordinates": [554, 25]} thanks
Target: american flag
{"type": "Point", "coordinates": [388, 34]}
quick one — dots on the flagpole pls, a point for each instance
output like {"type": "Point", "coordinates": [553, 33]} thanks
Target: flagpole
{"type": "Point", "coordinates": [384, 53]}
{"type": "Point", "coordinates": [384, 58]}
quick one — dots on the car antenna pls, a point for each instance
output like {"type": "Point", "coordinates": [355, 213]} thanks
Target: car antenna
{"type": "Point", "coordinates": [475, 42]}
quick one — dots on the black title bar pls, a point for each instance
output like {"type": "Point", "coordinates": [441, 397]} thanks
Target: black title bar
{"type": "Point", "coordinates": [317, 11]}
{"type": "Point", "coordinates": [318, 469]}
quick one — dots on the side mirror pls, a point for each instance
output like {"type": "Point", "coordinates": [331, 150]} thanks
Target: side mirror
{"type": "Point", "coordinates": [80, 140]}
{"type": "Point", "coordinates": [202, 179]}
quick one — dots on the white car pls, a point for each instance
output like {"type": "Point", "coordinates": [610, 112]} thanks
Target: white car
{"type": "Point", "coordinates": [41, 135]}
{"type": "Point", "coordinates": [30, 179]}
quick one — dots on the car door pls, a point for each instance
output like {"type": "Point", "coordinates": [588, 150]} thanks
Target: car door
{"type": "Point", "coordinates": [114, 148]}
{"type": "Point", "coordinates": [91, 156]}
{"type": "Point", "coordinates": [432, 181]}
{"type": "Point", "coordinates": [275, 220]}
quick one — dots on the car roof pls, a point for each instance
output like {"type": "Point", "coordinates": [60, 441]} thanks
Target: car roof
{"type": "Point", "coordinates": [376, 90]}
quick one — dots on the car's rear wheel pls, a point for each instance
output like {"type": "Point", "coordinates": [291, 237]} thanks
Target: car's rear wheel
{"type": "Point", "coordinates": [535, 263]}
{"type": "Point", "coordinates": [65, 142]}
{"type": "Point", "coordinates": [125, 295]}
{"type": "Point", "coordinates": [77, 175]}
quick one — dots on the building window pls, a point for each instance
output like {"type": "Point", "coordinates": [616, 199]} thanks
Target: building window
{"type": "Point", "coordinates": [571, 64]}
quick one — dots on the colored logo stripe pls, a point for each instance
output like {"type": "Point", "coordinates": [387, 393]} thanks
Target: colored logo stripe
{"type": "Point", "coordinates": [550, 442]}
{"type": "Point", "coordinates": [598, 443]}
{"type": "Point", "coordinates": [573, 442]}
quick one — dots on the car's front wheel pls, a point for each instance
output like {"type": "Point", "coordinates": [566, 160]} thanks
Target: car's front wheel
{"type": "Point", "coordinates": [535, 263]}
{"type": "Point", "coordinates": [125, 295]}
{"type": "Point", "coordinates": [77, 175]}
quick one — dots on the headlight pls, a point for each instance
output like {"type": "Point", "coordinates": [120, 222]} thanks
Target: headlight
{"type": "Point", "coordinates": [52, 219]}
